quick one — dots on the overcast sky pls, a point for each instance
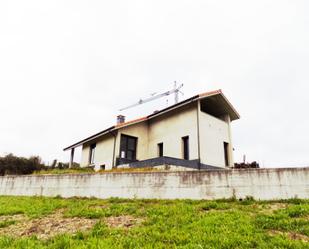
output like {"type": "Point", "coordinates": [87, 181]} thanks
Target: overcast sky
{"type": "Point", "coordinates": [67, 66]}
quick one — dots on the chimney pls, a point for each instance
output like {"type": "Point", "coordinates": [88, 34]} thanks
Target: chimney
{"type": "Point", "coordinates": [120, 119]}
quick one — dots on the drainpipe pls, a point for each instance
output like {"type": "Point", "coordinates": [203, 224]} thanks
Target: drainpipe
{"type": "Point", "coordinates": [198, 134]}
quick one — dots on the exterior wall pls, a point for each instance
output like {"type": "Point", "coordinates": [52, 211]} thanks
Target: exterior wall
{"type": "Point", "coordinates": [264, 184]}
{"type": "Point", "coordinates": [85, 155]}
{"type": "Point", "coordinates": [213, 133]}
{"type": "Point", "coordinates": [169, 130]}
{"type": "Point", "coordinates": [103, 153]}
{"type": "Point", "coordinates": [140, 131]}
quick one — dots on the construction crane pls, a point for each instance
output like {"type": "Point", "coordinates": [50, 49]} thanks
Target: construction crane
{"type": "Point", "coordinates": [175, 90]}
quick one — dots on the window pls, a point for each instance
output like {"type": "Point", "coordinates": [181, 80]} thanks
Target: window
{"type": "Point", "coordinates": [226, 153]}
{"type": "Point", "coordinates": [185, 148]}
{"type": "Point", "coordinates": [91, 154]}
{"type": "Point", "coordinates": [128, 147]}
{"type": "Point", "coordinates": [160, 149]}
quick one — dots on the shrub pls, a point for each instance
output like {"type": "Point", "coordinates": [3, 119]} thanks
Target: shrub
{"type": "Point", "coordinates": [253, 165]}
{"type": "Point", "coordinates": [13, 165]}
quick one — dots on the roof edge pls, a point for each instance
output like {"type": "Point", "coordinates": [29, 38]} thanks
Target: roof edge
{"type": "Point", "coordinates": [90, 138]}
{"type": "Point", "coordinates": [167, 109]}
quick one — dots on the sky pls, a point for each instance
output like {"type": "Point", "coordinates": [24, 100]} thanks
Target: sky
{"type": "Point", "coordinates": [68, 66]}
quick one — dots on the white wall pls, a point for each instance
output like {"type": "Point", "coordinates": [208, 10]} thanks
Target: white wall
{"type": "Point", "coordinates": [170, 129]}
{"type": "Point", "coordinates": [85, 155]}
{"type": "Point", "coordinates": [103, 153]}
{"type": "Point", "coordinates": [264, 184]}
{"type": "Point", "coordinates": [213, 132]}
{"type": "Point", "coordinates": [139, 130]}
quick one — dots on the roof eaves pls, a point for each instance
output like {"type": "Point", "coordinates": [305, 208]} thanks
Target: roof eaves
{"type": "Point", "coordinates": [101, 133]}
{"type": "Point", "coordinates": [186, 101]}
{"type": "Point", "coordinates": [208, 94]}
{"type": "Point", "coordinates": [216, 92]}
{"type": "Point", "coordinates": [135, 121]}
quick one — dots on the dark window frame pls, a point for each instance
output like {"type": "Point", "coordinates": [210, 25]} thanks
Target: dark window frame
{"type": "Point", "coordinates": [226, 153]}
{"type": "Point", "coordinates": [126, 147]}
{"type": "Point", "coordinates": [92, 153]}
{"type": "Point", "coordinates": [185, 148]}
{"type": "Point", "coordinates": [160, 149]}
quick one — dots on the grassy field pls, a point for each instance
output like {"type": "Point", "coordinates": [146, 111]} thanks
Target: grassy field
{"type": "Point", "coordinates": [33, 222]}
{"type": "Point", "coordinates": [90, 171]}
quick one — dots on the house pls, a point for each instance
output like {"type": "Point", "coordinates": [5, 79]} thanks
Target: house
{"type": "Point", "coordinates": [194, 133]}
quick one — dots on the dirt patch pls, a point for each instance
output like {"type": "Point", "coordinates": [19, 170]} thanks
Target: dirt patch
{"type": "Point", "coordinates": [54, 224]}
{"type": "Point", "coordinates": [125, 221]}
{"type": "Point", "coordinates": [48, 226]}
{"type": "Point", "coordinates": [290, 235]}
{"type": "Point", "coordinates": [16, 217]}
{"type": "Point", "coordinates": [271, 208]}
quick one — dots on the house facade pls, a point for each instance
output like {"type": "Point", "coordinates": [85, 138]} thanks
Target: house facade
{"type": "Point", "coordinates": [196, 130]}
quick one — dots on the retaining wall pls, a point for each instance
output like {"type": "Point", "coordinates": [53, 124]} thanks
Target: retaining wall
{"type": "Point", "coordinates": [264, 184]}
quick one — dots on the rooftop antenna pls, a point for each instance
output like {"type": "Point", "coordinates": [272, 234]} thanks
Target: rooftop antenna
{"type": "Point", "coordinates": [175, 90]}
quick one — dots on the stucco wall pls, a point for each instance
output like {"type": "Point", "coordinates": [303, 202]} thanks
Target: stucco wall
{"type": "Point", "coordinates": [264, 184]}
{"type": "Point", "coordinates": [213, 132]}
{"type": "Point", "coordinates": [103, 153]}
{"type": "Point", "coordinates": [85, 155]}
{"type": "Point", "coordinates": [169, 130]}
{"type": "Point", "coordinates": [140, 131]}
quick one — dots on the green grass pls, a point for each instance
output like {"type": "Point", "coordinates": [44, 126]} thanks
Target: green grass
{"type": "Point", "coordinates": [64, 171]}
{"type": "Point", "coordinates": [90, 170]}
{"type": "Point", "coordinates": [6, 223]}
{"type": "Point", "coordinates": [167, 224]}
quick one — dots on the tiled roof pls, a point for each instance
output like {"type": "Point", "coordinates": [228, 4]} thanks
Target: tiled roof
{"type": "Point", "coordinates": [131, 122]}
{"type": "Point", "coordinates": [207, 94]}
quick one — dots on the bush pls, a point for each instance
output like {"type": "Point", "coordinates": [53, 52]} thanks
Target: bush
{"type": "Point", "coordinates": [13, 165]}
{"type": "Point", "coordinates": [253, 165]}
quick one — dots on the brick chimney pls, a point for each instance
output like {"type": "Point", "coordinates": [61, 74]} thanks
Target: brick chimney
{"type": "Point", "coordinates": [120, 119]}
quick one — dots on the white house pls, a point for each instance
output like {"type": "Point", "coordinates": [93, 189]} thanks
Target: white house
{"type": "Point", "coordinates": [195, 133]}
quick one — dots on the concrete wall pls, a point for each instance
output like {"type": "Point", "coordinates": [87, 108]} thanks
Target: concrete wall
{"type": "Point", "coordinates": [264, 184]}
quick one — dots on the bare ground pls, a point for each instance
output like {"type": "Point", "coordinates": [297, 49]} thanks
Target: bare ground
{"type": "Point", "coordinates": [125, 221]}
{"type": "Point", "coordinates": [271, 208]}
{"type": "Point", "coordinates": [54, 224]}
{"type": "Point", "coordinates": [290, 235]}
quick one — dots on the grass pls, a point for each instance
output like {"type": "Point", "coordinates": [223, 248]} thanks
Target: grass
{"type": "Point", "coordinates": [168, 224]}
{"type": "Point", "coordinates": [64, 171]}
{"type": "Point", "coordinates": [87, 170]}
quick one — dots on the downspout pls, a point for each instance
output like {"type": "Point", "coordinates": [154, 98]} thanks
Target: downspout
{"type": "Point", "coordinates": [198, 134]}
{"type": "Point", "coordinates": [114, 149]}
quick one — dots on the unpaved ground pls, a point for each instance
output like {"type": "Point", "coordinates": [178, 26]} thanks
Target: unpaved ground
{"type": "Point", "coordinates": [54, 224]}
{"type": "Point", "coordinates": [16, 217]}
{"type": "Point", "coordinates": [125, 221]}
{"type": "Point", "coordinates": [271, 208]}
{"type": "Point", "coordinates": [47, 226]}
{"type": "Point", "coordinates": [290, 235]}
